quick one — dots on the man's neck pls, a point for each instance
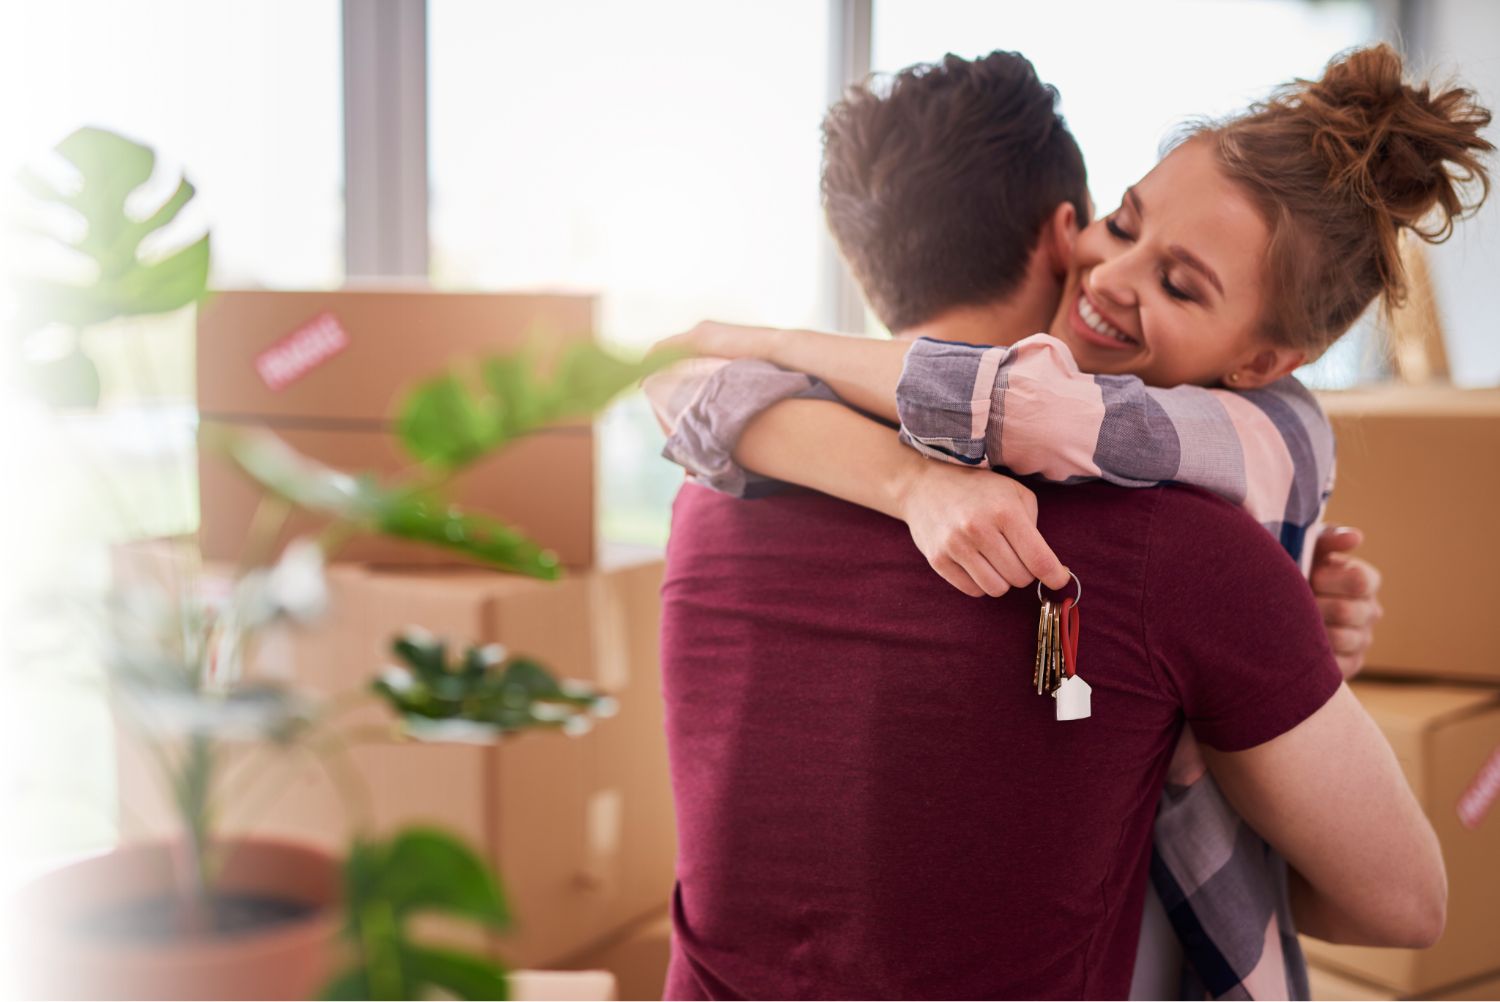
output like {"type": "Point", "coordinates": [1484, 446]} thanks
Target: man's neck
{"type": "Point", "coordinates": [1003, 322]}
{"type": "Point", "coordinates": [1023, 312]}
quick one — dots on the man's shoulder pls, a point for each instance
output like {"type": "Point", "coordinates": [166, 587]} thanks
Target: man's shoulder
{"type": "Point", "coordinates": [1204, 505]}
{"type": "Point", "coordinates": [1197, 534]}
{"type": "Point", "coordinates": [793, 524]}
{"type": "Point", "coordinates": [1193, 528]}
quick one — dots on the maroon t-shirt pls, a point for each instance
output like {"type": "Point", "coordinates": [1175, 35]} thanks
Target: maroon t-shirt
{"type": "Point", "coordinates": [872, 800]}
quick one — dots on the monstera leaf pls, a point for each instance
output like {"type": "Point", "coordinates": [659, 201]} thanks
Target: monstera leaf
{"type": "Point", "coordinates": [482, 697]}
{"type": "Point", "coordinates": [285, 472]}
{"type": "Point", "coordinates": [454, 419]}
{"type": "Point", "coordinates": [368, 506]}
{"type": "Point", "coordinates": [424, 517]}
{"type": "Point", "coordinates": [108, 169]}
{"type": "Point", "coordinates": [385, 884]}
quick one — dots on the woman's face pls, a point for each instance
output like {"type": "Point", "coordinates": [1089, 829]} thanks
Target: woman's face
{"type": "Point", "coordinates": [1170, 286]}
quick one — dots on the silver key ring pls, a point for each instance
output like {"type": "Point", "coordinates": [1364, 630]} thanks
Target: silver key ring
{"type": "Point", "coordinates": [1076, 602]}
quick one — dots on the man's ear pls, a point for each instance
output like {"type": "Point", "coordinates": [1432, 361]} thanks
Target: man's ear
{"type": "Point", "coordinates": [1059, 236]}
{"type": "Point", "coordinates": [1264, 367]}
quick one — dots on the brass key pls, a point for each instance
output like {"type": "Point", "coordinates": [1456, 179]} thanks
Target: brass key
{"type": "Point", "coordinates": [1043, 648]}
{"type": "Point", "coordinates": [1054, 649]}
{"type": "Point", "coordinates": [1047, 672]}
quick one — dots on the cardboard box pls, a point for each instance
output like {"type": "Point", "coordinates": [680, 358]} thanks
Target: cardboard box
{"type": "Point", "coordinates": [327, 370]}
{"type": "Point", "coordinates": [637, 958]}
{"type": "Point", "coordinates": [1330, 986]}
{"type": "Point", "coordinates": [1419, 472]}
{"type": "Point", "coordinates": [562, 986]}
{"type": "Point", "coordinates": [1444, 736]}
{"type": "Point", "coordinates": [580, 829]}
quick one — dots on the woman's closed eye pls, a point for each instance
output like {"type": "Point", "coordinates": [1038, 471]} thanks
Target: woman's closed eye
{"type": "Point", "coordinates": [1176, 293]}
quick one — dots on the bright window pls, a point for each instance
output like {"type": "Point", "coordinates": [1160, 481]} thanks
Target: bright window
{"type": "Point", "coordinates": [663, 154]}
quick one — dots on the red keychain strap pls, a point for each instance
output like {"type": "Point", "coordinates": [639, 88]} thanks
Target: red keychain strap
{"type": "Point", "coordinates": [1070, 636]}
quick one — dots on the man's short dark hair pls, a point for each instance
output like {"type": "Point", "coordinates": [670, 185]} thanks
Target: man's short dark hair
{"type": "Point", "coordinates": [936, 187]}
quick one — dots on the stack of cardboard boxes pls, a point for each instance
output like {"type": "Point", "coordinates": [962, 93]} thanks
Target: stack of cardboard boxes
{"type": "Point", "coordinates": [580, 829]}
{"type": "Point", "coordinates": [1419, 472]}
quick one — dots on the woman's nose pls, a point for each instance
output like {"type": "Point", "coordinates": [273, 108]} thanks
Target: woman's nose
{"type": "Point", "coordinates": [1114, 280]}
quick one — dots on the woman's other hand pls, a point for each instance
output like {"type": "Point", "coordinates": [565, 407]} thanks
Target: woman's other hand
{"type": "Point", "coordinates": [978, 530]}
{"type": "Point", "coordinates": [1346, 588]}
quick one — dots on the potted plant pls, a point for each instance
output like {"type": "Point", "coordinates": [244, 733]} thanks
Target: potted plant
{"type": "Point", "coordinates": [204, 916]}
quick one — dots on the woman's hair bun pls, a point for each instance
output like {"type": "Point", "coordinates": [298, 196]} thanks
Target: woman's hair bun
{"type": "Point", "coordinates": [1403, 149]}
{"type": "Point", "coordinates": [1339, 168]}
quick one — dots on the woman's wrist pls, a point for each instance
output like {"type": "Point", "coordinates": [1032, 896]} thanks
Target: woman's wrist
{"type": "Point", "coordinates": [780, 347]}
{"type": "Point", "coordinates": [903, 482]}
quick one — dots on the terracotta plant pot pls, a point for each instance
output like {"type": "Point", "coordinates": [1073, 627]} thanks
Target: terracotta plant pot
{"type": "Point", "coordinates": [65, 955]}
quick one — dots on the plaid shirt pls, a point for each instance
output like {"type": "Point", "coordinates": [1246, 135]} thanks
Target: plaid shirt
{"type": "Point", "coordinates": [1029, 409]}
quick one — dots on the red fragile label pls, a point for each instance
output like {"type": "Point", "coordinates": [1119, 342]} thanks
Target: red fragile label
{"type": "Point", "coordinates": [301, 351]}
{"type": "Point", "coordinates": [1480, 796]}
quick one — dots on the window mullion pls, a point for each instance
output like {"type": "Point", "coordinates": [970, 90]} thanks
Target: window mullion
{"type": "Point", "coordinates": [385, 138]}
{"type": "Point", "coordinates": [849, 33]}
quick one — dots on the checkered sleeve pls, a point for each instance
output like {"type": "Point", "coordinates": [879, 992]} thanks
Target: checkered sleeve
{"type": "Point", "coordinates": [1031, 410]}
{"type": "Point", "coordinates": [704, 406]}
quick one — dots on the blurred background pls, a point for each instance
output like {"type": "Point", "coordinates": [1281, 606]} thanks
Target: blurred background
{"type": "Point", "coordinates": [662, 154]}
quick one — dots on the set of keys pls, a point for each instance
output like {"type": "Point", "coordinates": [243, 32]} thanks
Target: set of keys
{"type": "Point", "coordinates": [1056, 670]}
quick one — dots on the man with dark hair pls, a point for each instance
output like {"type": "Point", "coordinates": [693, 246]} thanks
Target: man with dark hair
{"type": "Point", "coordinates": [937, 188]}
{"type": "Point", "coordinates": [869, 804]}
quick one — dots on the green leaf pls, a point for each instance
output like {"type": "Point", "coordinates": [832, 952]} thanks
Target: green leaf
{"type": "Point", "coordinates": [165, 213]}
{"type": "Point", "coordinates": [508, 379]}
{"type": "Point", "coordinates": [385, 884]}
{"type": "Point", "coordinates": [462, 974]}
{"type": "Point", "coordinates": [427, 519]}
{"type": "Point", "coordinates": [363, 868]}
{"type": "Point", "coordinates": [108, 169]}
{"type": "Point", "coordinates": [448, 422]}
{"type": "Point", "coordinates": [284, 471]}
{"type": "Point", "coordinates": [447, 425]}
{"type": "Point", "coordinates": [482, 698]}
{"type": "Point", "coordinates": [347, 986]}
{"type": "Point", "coordinates": [430, 870]}
{"type": "Point", "coordinates": [588, 377]}
{"type": "Point", "coordinates": [168, 284]}
{"type": "Point", "coordinates": [427, 654]}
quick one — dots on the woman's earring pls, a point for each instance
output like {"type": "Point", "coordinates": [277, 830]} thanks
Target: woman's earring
{"type": "Point", "coordinates": [1234, 377]}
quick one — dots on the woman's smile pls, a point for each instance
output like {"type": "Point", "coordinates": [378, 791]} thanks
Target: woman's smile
{"type": "Point", "coordinates": [1090, 323]}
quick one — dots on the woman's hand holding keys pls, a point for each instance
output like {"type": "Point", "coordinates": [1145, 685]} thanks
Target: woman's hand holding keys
{"type": "Point", "coordinates": [978, 530]}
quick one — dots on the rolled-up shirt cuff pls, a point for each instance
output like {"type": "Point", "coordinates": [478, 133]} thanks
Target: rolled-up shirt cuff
{"type": "Point", "coordinates": [709, 429]}
{"type": "Point", "coordinates": [945, 398]}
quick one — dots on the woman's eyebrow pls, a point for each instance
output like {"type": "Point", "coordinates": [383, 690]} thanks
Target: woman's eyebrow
{"type": "Point", "coordinates": [1190, 259]}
